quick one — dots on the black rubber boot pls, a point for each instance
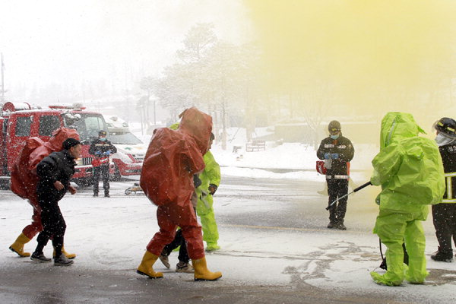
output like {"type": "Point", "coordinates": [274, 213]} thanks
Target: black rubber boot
{"type": "Point", "coordinates": [340, 225]}
{"type": "Point", "coordinates": [442, 256]}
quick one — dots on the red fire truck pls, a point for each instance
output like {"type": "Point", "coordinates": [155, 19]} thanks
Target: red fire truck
{"type": "Point", "coordinates": [20, 121]}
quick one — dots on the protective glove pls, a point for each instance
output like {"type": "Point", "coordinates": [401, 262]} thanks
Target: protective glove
{"type": "Point", "coordinates": [107, 153]}
{"type": "Point", "coordinates": [97, 152]}
{"type": "Point", "coordinates": [327, 155]}
{"type": "Point", "coordinates": [212, 188]}
{"type": "Point", "coordinates": [335, 155]}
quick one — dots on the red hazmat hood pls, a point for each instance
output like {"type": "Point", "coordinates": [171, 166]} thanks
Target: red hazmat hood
{"type": "Point", "coordinates": [174, 156]}
{"type": "Point", "coordinates": [23, 174]}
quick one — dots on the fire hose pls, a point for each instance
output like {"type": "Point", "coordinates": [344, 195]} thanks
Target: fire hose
{"type": "Point", "coordinates": [355, 190]}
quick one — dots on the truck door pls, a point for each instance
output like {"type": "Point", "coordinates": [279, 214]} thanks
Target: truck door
{"type": "Point", "coordinates": [88, 124]}
{"type": "Point", "coordinates": [21, 126]}
{"type": "Point", "coordinates": [47, 125]}
{"type": "Point", "coordinates": [18, 130]}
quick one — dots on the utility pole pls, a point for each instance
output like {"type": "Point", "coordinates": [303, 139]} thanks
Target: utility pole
{"type": "Point", "coordinates": [2, 96]}
{"type": "Point", "coordinates": [155, 116]}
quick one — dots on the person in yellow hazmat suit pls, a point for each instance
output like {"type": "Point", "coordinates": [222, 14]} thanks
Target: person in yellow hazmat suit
{"type": "Point", "coordinates": [210, 180]}
{"type": "Point", "coordinates": [410, 171]}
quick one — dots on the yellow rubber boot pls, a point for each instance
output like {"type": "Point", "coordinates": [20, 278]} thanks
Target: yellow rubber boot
{"type": "Point", "coordinates": [145, 268]}
{"type": "Point", "coordinates": [18, 246]}
{"type": "Point", "coordinates": [202, 273]}
{"type": "Point", "coordinates": [68, 255]}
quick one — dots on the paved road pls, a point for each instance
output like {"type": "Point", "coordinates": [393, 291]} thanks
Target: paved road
{"type": "Point", "coordinates": [23, 286]}
{"type": "Point", "coordinates": [288, 210]}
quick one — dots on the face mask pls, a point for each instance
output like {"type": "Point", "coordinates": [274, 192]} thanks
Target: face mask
{"type": "Point", "coordinates": [103, 138]}
{"type": "Point", "coordinates": [442, 140]}
{"type": "Point", "coordinates": [334, 136]}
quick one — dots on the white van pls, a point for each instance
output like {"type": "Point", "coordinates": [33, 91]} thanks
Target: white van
{"type": "Point", "coordinates": [130, 149]}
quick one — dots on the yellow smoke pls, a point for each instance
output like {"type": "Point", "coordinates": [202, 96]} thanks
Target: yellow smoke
{"type": "Point", "coordinates": [371, 55]}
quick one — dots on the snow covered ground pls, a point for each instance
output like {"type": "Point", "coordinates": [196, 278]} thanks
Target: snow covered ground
{"type": "Point", "coordinates": [111, 234]}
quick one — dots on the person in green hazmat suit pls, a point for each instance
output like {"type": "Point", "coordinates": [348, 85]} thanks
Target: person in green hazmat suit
{"type": "Point", "coordinates": [210, 180]}
{"type": "Point", "coordinates": [410, 171]}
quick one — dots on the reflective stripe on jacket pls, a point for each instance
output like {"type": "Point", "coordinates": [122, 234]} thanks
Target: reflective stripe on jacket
{"type": "Point", "coordinates": [448, 153]}
{"type": "Point", "coordinates": [449, 195]}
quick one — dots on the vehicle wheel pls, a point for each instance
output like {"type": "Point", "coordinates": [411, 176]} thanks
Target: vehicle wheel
{"type": "Point", "coordinates": [128, 191]}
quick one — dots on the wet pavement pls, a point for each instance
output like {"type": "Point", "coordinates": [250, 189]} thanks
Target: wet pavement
{"type": "Point", "coordinates": [275, 249]}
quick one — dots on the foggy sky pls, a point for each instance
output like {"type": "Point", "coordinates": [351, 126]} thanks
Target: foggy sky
{"type": "Point", "coordinates": [382, 55]}
{"type": "Point", "coordinates": [374, 56]}
{"type": "Point", "coordinates": [69, 42]}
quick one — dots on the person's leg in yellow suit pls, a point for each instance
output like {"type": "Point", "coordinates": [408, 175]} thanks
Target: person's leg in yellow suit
{"type": "Point", "coordinates": [415, 241]}
{"type": "Point", "coordinates": [393, 228]}
{"type": "Point", "coordinates": [205, 211]}
{"type": "Point", "coordinates": [390, 227]}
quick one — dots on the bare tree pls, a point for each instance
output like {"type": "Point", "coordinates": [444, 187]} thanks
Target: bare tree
{"type": "Point", "coordinates": [215, 76]}
{"type": "Point", "coordinates": [197, 43]}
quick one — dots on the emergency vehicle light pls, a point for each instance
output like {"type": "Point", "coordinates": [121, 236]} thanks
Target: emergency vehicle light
{"type": "Point", "coordinates": [76, 106]}
{"type": "Point", "coordinates": [17, 106]}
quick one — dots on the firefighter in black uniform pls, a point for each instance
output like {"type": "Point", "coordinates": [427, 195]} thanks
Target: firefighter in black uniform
{"type": "Point", "coordinates": [444, 214]}
{"type": "Point", "coordinates": [337, 152]}
{"type": "Point", "coordinates": [55, 172]}
{"type": "Point", "coordinates": [101, 148]}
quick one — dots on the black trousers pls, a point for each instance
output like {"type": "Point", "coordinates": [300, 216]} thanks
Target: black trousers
{"type": "Point", "coordinates": [337, 188]}
{"type": "Point", "coordinates": [178, 241]}
{"type": "Point", "coordinates": [444, 218]}
{"type": "Point", "coordinates": [54, 226]}
{"type": "Point", "coordinates": [104, 171]}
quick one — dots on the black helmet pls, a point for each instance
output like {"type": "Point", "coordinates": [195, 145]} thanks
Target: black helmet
{"type": "Point", "coordinates": [334, 126]}
{"type": "Point", "coordinates": [447, 126]}
{"type": "Point", "coordinates": [102, 133]}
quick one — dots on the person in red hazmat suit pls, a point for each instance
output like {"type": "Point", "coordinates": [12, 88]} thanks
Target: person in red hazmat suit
{"type": "Point", "coordinates": [210, 181]}
{"type": "Point", "coordinates": [24, 181]}
{"type": "Point", "coordinates": [172, 158]}
{"type": "Point", "coordinates": [410, 171]}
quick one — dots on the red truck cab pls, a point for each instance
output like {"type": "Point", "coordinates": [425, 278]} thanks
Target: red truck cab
{"type": "Point", "coordinates": [19, 121]}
